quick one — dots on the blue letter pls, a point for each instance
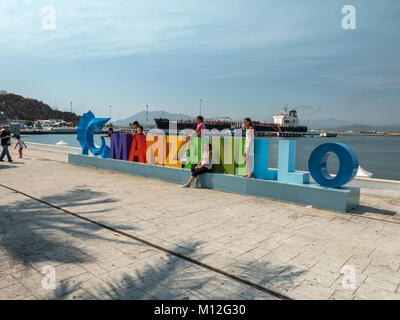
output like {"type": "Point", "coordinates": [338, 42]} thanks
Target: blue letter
{"type": "Point", "coordinates": [261, 152]}
{"type": "Point", "coordinates": [287, 162]}
{"type": "Point", "coordinates": [88, 125]}
{"type": "Point", "coordinates": [94, 125]}
{"type": "Point", "coordinates": [348, 164]}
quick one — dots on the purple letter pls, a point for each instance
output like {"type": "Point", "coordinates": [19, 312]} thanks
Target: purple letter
{"type": "Point", "coordinates": [120, 146]}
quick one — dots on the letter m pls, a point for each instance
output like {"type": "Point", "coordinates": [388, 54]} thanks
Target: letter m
{"type": "Point", "coordinates": [120, 146]}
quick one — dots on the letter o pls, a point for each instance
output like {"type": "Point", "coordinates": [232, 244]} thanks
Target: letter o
{"type": "Point", "coordinates": [348, 164]}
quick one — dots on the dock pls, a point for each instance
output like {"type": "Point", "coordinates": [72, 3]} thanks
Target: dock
{"type": "Point", "coordinates": [115, 236]}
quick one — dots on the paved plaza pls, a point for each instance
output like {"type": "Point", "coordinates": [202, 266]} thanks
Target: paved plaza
{"type": "Point", "coordinates": [108, 235]}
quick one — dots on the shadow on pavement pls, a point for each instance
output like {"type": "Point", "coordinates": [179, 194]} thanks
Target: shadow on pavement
{"type": "Point", "coordinates": [173, 278]}
{"type": "Point", "coordinates": [361, 209]}
{"type": "Point", "coordinates": [32, 232]}
{"type": "Point", "coordinates": [10, 166]}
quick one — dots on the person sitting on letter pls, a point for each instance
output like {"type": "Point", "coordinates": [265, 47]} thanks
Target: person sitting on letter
{"type": "Point", "coordinates": [204, 166]}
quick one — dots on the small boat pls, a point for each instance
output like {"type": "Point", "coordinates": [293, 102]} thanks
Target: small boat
{"type": "Point", "coordinates": [62, 143]}
{"type": "Point", "coordinates": [328, 134]}
{"type": "Point", "coordinates": [362, 173]}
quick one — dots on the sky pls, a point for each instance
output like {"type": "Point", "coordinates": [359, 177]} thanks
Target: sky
{"type": "Point", "coordinates": [243, 58]}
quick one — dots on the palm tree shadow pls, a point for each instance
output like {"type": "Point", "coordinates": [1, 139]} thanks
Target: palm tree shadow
{"type": "Point", "coordinates": [32, 232]}
{"type": "Point", "coordinates": [78, 197]}
{"type": "Point", "coordinates": [173, 278]}
{"type": "Point", "coordinates": [164, 279]}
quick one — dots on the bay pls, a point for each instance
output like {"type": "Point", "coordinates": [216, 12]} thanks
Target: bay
{"type": "Point", "coordinates": [377, 154]}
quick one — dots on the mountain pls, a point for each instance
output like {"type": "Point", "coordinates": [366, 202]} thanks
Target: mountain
{"type": "Point", "coordinates": [141, 117]}
{"type": "Point", "coordinates": [325, 123]}
{"type": "Point", "coordinates": [344, 125]}
{"type": "Point", "coordinates": [365, 127]}
{"type": "Point", "coordinates": [16, 107]}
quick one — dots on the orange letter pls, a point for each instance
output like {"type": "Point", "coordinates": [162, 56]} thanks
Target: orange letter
{"type": "Point", "coordinates": [156, 149]}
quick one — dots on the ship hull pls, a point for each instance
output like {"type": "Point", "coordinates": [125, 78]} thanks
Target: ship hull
{"type": "Point", "coordinates": [275, 128]}
{"type": "Point", "coordinates": [181, 125]}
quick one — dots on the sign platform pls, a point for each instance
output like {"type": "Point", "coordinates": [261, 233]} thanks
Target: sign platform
{"type": "Point", "coordinates": [336, 199]}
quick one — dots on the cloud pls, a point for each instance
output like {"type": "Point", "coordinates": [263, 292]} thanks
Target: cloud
{"type": "Point", "coordinates": [117, 28]}
{"type": "Point", "coordinates": [269, 39]}
{"type": "Point", "coordinates": [87, 29]}
{"type": "Point", "coordinates": [308, 112]}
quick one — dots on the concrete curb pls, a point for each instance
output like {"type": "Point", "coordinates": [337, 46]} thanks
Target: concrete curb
{"type": "Point", "coordinates": [341, 199]}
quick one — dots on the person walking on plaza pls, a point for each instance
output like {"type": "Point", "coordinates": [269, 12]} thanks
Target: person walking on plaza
{"type": "Point", "coordinates": [204, 166]}
{"type": "Point", "coordinates": [5, 143]}
{"type": "Point", "coordinates": [20, 144]}
{"type": "Point", "coordinates": [249, 147]}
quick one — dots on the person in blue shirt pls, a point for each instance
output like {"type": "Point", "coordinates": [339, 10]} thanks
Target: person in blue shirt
{"type": "Point", "coordinates": [5, 137]}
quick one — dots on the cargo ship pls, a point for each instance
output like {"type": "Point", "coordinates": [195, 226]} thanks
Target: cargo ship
{"type": "Point", "coordinates": [286, 121]}
{"type": "Point", "coordinates": [163, 123]}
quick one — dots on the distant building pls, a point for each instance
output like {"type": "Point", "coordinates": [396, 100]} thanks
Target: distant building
{"type": "Point", "coordinates": [15, 128]}
{"type": "Point", "coordinates": [3, 91]}
{"type": "Point", "coordinates": [48, 123]}
{"type": "Point", "coordinates": [51, 123]}
{"type": "Point", "coordinates": [3, 119]}
{"type": "Point", "coordinates": [20, 122]}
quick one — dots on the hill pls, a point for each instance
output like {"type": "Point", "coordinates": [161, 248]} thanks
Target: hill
{"type": "Point", "coordinates": [17, 107]}
{"type": "Point", "coordinates": [363, 127]}
{"type": "Point", "coordinates": [141, 117]}
{"type": "Point", "coordinates": [343, 125]}
{"type": "Point", "coordinates": [325, 123]}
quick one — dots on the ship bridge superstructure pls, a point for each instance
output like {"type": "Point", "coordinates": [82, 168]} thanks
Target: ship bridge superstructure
{"type": "Point", "coordinates": [286, 119]}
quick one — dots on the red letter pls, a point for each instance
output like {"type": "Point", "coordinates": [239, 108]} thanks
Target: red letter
{"type": "Point", "coordinates": [138, 149]}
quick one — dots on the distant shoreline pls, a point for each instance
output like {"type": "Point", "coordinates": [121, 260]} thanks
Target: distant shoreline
{"type": "Point", "coordinates": [383, 134]}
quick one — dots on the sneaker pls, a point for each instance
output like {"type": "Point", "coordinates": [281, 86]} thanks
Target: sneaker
{"type": "Point", "coordinates": [10, 161]}
{"type": "Point", "coordinates": [2, 160]}
{"type": "Point", "coordinates": [198, 184]}
{"type": "Point", "coordinates": [185, 186]}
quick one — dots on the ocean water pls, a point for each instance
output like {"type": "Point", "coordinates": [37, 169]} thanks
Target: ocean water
{"type": "Point", "coordinates": [377, 154]}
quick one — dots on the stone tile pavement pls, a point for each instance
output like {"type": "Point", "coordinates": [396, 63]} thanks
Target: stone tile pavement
{"type": "Point", "coordinates": [292, 250]}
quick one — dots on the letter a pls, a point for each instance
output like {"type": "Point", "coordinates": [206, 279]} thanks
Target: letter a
{"type": "Point", "coordinates": [49, 20]}
{"type": "Point", "coordinates": [349, 20]}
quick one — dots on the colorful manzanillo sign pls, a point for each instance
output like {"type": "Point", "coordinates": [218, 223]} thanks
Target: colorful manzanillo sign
{"type": "Point", "coordinates": [159, 149]}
